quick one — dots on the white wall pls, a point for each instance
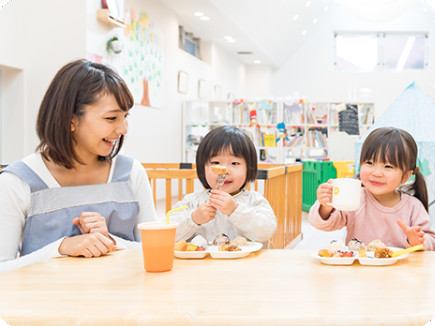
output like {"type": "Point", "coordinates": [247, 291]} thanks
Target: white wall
{"type": "Point", "coordinates": [155, 134]}
{"type": "Point", "coordinates": [310, 70]}
{"type": "Point", "coordinates": [37, 37]}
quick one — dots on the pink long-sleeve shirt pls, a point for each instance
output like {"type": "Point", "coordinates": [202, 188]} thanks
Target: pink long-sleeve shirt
{"type": "Point", "coordinates": [373, 221]}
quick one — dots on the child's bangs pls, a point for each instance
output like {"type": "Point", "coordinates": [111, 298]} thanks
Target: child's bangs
{"type": "Point", "coordinates": [387, 151]}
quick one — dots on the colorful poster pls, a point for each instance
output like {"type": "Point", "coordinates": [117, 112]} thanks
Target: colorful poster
{"type": "Point", "coordinates": [143, 61]}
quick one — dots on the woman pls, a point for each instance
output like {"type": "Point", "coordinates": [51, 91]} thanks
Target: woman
{"type": "Point", "coordinates": [75, 196]}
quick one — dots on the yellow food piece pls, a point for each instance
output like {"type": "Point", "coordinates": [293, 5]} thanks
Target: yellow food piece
{"type": "Point", "coordinates": [179, 245]}
{"type": "Point", "coordinates": [191, 247]}
{"type": "Point", "coordinates": [362, 253]}
{"type": "Point", "coordinates": [325, 253]}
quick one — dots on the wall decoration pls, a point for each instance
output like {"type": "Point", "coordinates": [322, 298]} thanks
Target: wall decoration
{"type": "Point", "coordinates": [202, 88]}
{"type": "Point", "coordinates": [183, 82]}
{"type": "Point", "coordinates": [142, 61]}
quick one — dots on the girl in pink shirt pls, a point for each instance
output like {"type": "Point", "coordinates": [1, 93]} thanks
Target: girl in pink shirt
{"type": "Point", "coordinates": [391, 211]}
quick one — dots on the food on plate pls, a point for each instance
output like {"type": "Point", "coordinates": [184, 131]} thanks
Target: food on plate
{"type": "Point", "coordinates": [325, 253]}
{"type": "Point", "coordinates": [179, 245]}
{"type": "Point", "coordinates": [221, 239]}
{"type": "Point", "coordinates": [199, 241]}
{"type": "Point", "coordinates": [375, 244]}
{"type": "Point", "coordinates": [335, 245]}
{"type": "Point", "coordinates": [219, 169]}
{"type": "Point", "coordinates": [362, 253]}
{"type": "Point", "coordinates": [230, 247]}
{"type": "Point", "coordinates": [239, 241]}
{"type": "Point", "coordinates": [184, 246]}
{"type": "Point", "coordinates": [355, 244]}
{"type": "Point", "coordinates": [383, 253]}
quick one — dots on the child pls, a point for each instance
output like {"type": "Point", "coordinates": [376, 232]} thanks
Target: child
{"type": "Point", "coordinates": [394, 213]}
{"type": "Point", "coordinates": [230, 210]}
{"type": "Point", "coordinates": [75, 196]}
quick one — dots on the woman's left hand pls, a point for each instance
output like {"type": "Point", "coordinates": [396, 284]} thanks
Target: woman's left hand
{"type": "Point", "coordinates": [414, 234]}
{"type": "Point", "coordinates": [91, 222]}
{"type": "Point", "coordinates": [222, 201]}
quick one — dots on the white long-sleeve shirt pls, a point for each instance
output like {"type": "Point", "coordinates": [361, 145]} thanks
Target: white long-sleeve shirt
{"type": "Point", "coordinates": [15, 200]}
{"type": "Point", "coordinates": [253, 218]}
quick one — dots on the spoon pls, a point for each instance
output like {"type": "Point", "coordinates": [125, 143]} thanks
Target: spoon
{"type": "Point", "coordinates": [221, 172]}
{"type": "Point", "coordinates": [405, 251]}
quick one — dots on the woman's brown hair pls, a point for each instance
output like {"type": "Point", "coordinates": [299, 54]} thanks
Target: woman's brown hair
{"type": "Point", "coordinates": [76, 85]}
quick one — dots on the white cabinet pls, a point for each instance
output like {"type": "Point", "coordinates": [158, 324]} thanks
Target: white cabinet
{"type": "Point", "coordinates": [282, 132]}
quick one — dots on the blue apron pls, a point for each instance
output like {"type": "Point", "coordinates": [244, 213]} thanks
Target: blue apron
{"type": "Point", "coordinates": [51, 210]}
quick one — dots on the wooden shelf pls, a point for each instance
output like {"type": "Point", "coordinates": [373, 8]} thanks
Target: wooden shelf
{"type": "Point", "coordinates": [104, 16]}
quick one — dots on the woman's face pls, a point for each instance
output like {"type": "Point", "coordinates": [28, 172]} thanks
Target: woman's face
{"type": "Point", "coordinates": [96, 132]}
{"type": "Point", "coordinates": [236, 172]}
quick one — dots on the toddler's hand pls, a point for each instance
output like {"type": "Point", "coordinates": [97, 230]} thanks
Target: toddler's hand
{"type": "Point", "coordinates": [91, 222]}
{"type": "Point", "coordinates": [223, 202]}
{"type": "Point", "coordinates": [324, 196]}
{"type": "Point", "coordinates": [204, 213]}
{"type": "Point", "coordinates": [324, 193]}
{"type": "Point", "coordinates": [414, 234]}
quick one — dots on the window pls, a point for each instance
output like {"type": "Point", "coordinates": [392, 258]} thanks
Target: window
{"type": "Point", "coordinates": [368, 52]}
{"type": "Point", "coordinates": [189, 43]}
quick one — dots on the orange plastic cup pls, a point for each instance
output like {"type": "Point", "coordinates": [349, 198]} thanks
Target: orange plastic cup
{"type": "Point", "coordinates": [158, 240]}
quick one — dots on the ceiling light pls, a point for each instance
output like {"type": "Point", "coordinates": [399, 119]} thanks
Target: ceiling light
{"type": "Point", "coordinates": [204, 18]}
{"type": "Point", "coordinates": [296, 17]}
{"type": "Point", "coordinates": [231, 40]}
{"type": "Point", "coordinates": [198, 14]}
{"type": "Point", "coordinates": [228, 37]}
{"type": "Point", "coordinates": [315, 20]}
{"type": "Point", "coordinates": [308, 4]}
{"type": "Point", "coordinates": [257, 62]}
{"type": "Point", "coordinates": [304, 32]}
{"type": "Point", "coordinates": [325, 8]}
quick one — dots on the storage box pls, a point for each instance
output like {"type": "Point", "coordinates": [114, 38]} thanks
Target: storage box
{"type": "Point", "coordinates": [314, 174]}
{"type": "Point", "coordinates": [345, 169]}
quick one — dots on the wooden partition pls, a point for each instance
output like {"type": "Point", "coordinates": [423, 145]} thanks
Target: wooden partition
{"type": "Point", "coordinates": [281, 185]}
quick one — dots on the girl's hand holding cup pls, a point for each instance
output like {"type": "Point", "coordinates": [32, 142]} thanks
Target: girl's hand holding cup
{"type": "Point", "coordinates": [324, 196]}
{"type": "Point", "coordinates": [324, 193]}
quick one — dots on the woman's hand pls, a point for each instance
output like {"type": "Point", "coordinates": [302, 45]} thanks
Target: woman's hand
{"type": "Point", "coordinates": [87, 245]}
{"type": "Point", "coordinates": [91, 222]}
{"type": "Point", "coordinates": [222, 201]}
{"type": "Point", "coordinates": [414, 234]}
{"type": "Point", "coordinates": [204, 213]}
{"type": "Point", "coordinates": [324, 196]}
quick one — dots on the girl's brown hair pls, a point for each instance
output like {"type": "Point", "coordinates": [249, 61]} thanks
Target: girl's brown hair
{"type": "Point", "coordinates": [226, 138]}
{"type": "Point", "coordinates": [76, 85]}
{"type": "Point", "coordinates": [398, 148]}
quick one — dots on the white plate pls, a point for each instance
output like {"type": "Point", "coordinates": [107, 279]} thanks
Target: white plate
{"type": "Point", "coordinates": [371, 261]}
{"type": "Point", "coordinates": [246, 250]}
{"type": "Point", "coordinates": [190, 254]}
{"type": "Point", "coordinates": [334, 260]}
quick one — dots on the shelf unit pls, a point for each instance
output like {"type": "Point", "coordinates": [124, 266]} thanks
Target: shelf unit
{"type": "Point", "coordinates": [104, 16]}
{"type": "Point", "coordinates": [282, 132]}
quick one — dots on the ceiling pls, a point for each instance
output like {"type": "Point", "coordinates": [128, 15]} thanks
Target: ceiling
{"type": "Point", "coordinates": [271, 30]}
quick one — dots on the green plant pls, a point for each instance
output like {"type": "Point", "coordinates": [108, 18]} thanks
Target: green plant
{"type": "Point", "coordinates": [114, 38]}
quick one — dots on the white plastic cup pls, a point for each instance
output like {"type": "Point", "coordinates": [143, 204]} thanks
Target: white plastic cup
{"type": "Point", "coordinates": [346, 194]}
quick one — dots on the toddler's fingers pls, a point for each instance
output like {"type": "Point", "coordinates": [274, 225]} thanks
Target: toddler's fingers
{"type": "Point", "coordinates": [402, 225]}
